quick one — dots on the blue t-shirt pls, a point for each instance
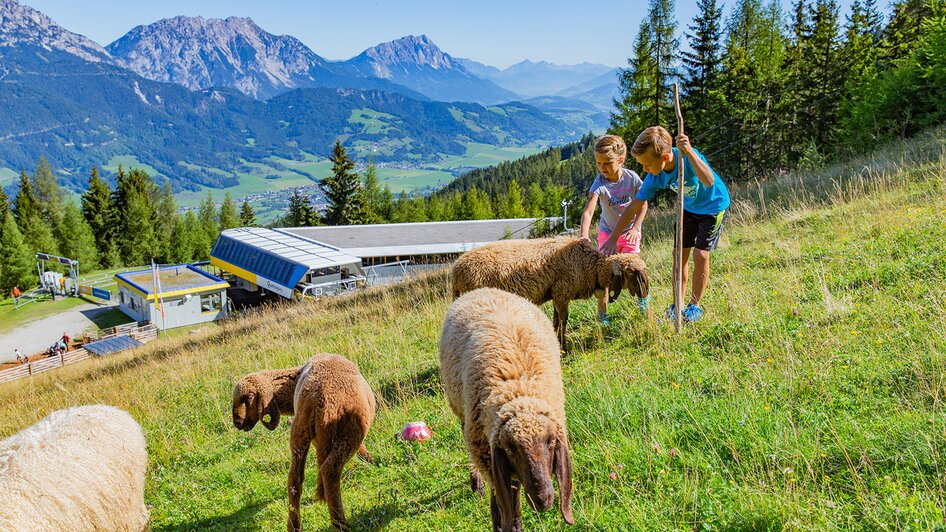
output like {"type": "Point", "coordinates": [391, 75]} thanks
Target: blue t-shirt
{"type": "Point", "coordinates": [697, 197]}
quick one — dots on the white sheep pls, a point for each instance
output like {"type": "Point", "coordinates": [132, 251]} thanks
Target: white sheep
{"type": "Point", "coordinates": [550, 269]}
{"type": "Point", "coordinates": [81, 468]}
{"type": "Point", "coordinates": [499, 361]}
{"type": "Point", "coordinates": [334, 408]}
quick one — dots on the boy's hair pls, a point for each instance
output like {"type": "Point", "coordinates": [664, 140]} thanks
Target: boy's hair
{"type": "Point", "coordinates": [611, 145]}
{"type": "Point", "coordinates": [656, 137]}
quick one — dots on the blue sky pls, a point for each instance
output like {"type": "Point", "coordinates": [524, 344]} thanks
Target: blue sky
{"type": "Point", "coordinates": [497, 33]}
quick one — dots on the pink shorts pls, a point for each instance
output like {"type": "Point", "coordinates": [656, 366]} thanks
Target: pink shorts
{"type": "Point", "coordinates": [623, 245]}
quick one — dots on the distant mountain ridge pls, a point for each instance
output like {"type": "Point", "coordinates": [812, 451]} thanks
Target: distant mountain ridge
{"type": "Point", "coordinates": [199, 53]}
{"type": "Point", "coordinates": [417, 63]}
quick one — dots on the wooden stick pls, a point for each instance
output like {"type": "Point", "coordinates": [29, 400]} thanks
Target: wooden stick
{"type": "Point", "coordinates": [678, 233]}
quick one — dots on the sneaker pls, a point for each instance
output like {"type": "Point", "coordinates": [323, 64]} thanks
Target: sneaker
{"type": "Point", "coordinates": [643, 303]}
{"type": "Point", "coordinates": [603, 319]}
{"type": "Point", "coordinates": [670, 313]}
{"type": "Point", "coordinates": [692, 313]}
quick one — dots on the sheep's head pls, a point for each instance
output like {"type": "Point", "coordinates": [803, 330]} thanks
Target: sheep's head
{"type": "Point", "coordinates": [531, 448]}
{"type": "Point", "coordinates": [627, 270]}
{"type": "Point", "coordinates": [252, 400]}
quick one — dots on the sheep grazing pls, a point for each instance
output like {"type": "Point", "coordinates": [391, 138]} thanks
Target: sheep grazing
{"type": "Point", "coordinates": [549, 269]}
{"type": "Point", "coordinates": [81, 468]}
{"type": "Point", "coordinates": [499, 361]}
{"type": "Point", "coordinates": [334, 407]}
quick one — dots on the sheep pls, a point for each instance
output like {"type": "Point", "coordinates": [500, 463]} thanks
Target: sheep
{"type": "Point", "coordinates": [499, 362]}
{"type": "Point", "coordinates": [334, 408]}
{"type": "Point", "coordinates": [80, 468]}
{"type": "Point", "coordinates": [557, 269]}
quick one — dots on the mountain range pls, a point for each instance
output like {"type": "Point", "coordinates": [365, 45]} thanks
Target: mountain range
{"type": "Point", "coordinates": [198, 99]}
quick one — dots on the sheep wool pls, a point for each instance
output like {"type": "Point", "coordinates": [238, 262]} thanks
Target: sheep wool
{"type": "Point", "coordinates": [549, 269]}
{"type": "Point", "coordinates": [81, 468]}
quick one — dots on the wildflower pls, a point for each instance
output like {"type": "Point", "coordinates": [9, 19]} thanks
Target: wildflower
{"type": "Point", "coordinates": [794, 312]}
{"type": "Point", "coordinates": [769, 360]}
{"type": "Point", "coordinates": [663, 471]}
{"type": "Point", "coordinates": [824, 455]}
{"type": "Point", "coordinates": [766, 408]}
{"type": "Point", "coordinates": [853, 333]}
{"type": "Point", "coordinates": [673, 452]}
{"type": "Point", "coordinates": [675, 385]}
{"type": "Point", "coordinates": [613, 475]}
{"type": "Point", "coordinates": [656, 447]}
{"type": "Point", "coordinates": [845, 366]}
{"type": "Point", "coordinates": [620, 467]}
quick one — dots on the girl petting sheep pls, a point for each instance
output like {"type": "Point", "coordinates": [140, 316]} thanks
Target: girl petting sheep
{"type": "Point", "coordinates": [616, 187]}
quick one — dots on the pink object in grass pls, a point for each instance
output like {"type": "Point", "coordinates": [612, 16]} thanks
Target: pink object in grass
{"type": "Point", "coordinates": [416, 431]}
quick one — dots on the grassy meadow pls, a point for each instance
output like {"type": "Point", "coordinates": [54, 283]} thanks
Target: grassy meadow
{"type": "Point", "coordinates": [810, 397]}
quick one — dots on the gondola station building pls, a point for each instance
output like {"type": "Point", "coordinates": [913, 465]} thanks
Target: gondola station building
{"type": "Point", "coordinates": [187, 296]}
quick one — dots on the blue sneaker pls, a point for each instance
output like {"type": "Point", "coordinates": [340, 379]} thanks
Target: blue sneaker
{"type": "Point", "coordinates": [643, 303]}
{"type": "Point", "coordinates": [603, 319]}
{"type": "Point", "coordinates": [692, 313]}
{"type": "Point", "coordinates": [670, 313]}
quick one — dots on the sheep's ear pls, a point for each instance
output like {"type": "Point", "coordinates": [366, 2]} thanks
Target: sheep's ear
{"type": "Point", "coordinates": [617, 282]}
{"type": "Point", "coordinates": [504, 487]}
{"type": "Point", "coordinates": [643, 283]}
{"type": "Point", "coordinates": [267, 405]}
{"type": "Point", "coordinates": [562, 466]}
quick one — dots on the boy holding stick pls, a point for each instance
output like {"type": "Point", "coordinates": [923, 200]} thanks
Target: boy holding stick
{"type": "Point", "coordinates": [705, 200]}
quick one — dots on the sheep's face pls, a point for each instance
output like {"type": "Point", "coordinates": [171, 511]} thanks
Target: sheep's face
{"type": "Point", "coordinates": [628, 271]}
{"type": "Point", "coordinates": [252, 400]}
{"type": "Point", "coordinates": [532, 451]}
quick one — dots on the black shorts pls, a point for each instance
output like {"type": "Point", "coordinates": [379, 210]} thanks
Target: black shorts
{"type": "Point", "coordinates": [701, 231]}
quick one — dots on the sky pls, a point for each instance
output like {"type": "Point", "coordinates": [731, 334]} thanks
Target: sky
{"type": "Point", "coordinates": [495, 32]}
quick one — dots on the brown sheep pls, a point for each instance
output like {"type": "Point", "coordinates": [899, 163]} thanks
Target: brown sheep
{"type": "Point", "coordinates": [499, 361]}
{"type": "Point", "coordinates": [550, 269]}
{"type": "Point", "coordinates": [334, 408]}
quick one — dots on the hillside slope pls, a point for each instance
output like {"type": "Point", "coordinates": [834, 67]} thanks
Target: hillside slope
{"type": "Point", "coordinates": [810, 397]}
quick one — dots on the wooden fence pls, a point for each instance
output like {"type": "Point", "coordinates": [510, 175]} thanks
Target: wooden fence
{"type": "Point", "coordinates": [144, 333]}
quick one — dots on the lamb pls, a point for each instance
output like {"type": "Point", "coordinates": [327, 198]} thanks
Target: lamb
{"type": "Point", "coordinates": [81, 468]}
{"type": "Point", "coordinates": [557, 269]}
{"type": "Point", "coordinates": [334, 408]}
{"type": "Point", "coordinates": [499, 362]}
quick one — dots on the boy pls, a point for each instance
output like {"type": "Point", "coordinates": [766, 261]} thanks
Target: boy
{"type": "Point", "coordinates": [705, 200]}
{"type": "Point", "coordinates": [616, 187]}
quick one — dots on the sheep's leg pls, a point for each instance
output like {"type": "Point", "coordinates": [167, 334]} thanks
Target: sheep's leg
{"type": "Point", "coordinates": [560, 319]}
{"type": "Point", "coordinates": [342, 440]}
{"type": "Point", "coordinates": [300, 451]}
{"type": "Point", "coordinates": [476, 483]}
{"type": "Point", "coordinates": [497, 515]}
{"type": "Point", "coordinates": [363, 453]}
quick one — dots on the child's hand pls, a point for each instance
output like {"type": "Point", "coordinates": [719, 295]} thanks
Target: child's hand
{"type": "Point", "coordinates": [610, 247]}
{"type": "Point", "coordinates": [633, 237]}
{"type": "Point", "coordinates": [584, 240]}
{"type": "Point", "coordinates": [683, 144]}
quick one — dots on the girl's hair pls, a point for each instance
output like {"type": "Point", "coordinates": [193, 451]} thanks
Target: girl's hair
{"type": "Point", "coordinates": [656, 137]}
{"type": "Point", "coordinates": [611, 145]}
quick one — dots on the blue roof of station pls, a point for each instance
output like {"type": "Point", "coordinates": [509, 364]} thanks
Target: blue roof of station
{"type": "Point", "coordinates": [276, 255]}
{"type": "Point", "coordinates": [112, 345]}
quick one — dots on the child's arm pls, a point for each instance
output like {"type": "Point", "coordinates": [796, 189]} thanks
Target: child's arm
{"type": "Point", "coordinates": [611, 246]}
{"type": "Point", "coordinates": [587, 214]}
{"type": "Point", "coordinates": [634, 234]}
{"type": "Point", "coordinates": [703, 171]}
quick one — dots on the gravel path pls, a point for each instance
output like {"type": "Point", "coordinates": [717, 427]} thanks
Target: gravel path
{"type": "Point", "coordinates": [36, 336]}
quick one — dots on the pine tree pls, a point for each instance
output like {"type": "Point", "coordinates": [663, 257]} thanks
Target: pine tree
{"type": "Point", "coordinates": [476, 205]}
{"type": "Point", "coordinates": [247, 216]}
{"type": "Point", "coordinates": [346, 199]}
{"type": "Point", "coordinates": [300, 213]}
{"type": "Point", "coordinates": [185, 237]}
{"type": "Point", "coordinates": [4, 203]}
{"type": "Point", "coordinates": [512, 202]}
{"type": "Point", "coordinates": [49, 195]}
{"type": "Point", "coordinates": [99, 213]}
{"type": "Point", "coordinates": [135, 199]}
{"type": "Point", "coordinates": [76, 240]}
{"type": "Point", "coordinates": [374, 196]}
{"type": "Point", "coordinates": [166, 226]}
{"type": "Point", "coordinates": [646, 85]}
{"type": "Point", "coordinates": [702, 66]}
{"type": "Point", "coordinates": [16, 261]}
{"type": "Point", "coordinates": [824, 76]}
{"type": "Point", "coordinates": [199, 238]}
{"type": "Point", "coordinates": [207, 216]}
{"type": "Point", "coordinates": [25, 205]}
{"type": "Point", "coordinates": [228, 213]}
{"type": "Point", "coordinates": [904, 30]}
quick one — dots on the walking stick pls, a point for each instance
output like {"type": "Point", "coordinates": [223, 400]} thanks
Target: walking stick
{"type": "Point", "coordinates": [678, 232]}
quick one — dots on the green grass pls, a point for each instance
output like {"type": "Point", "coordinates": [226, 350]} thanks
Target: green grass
{"type": "Point", "coordinates": [809, 398]}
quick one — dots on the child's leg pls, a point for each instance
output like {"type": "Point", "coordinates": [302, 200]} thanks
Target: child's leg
{"type": "Point", "coordinates": [701, 271]}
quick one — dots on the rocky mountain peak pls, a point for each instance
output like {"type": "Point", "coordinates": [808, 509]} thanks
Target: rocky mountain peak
{"type": "Point", "coordinates": [413, 50]}
{"type": "Point", "coordinates": [21, 24]}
